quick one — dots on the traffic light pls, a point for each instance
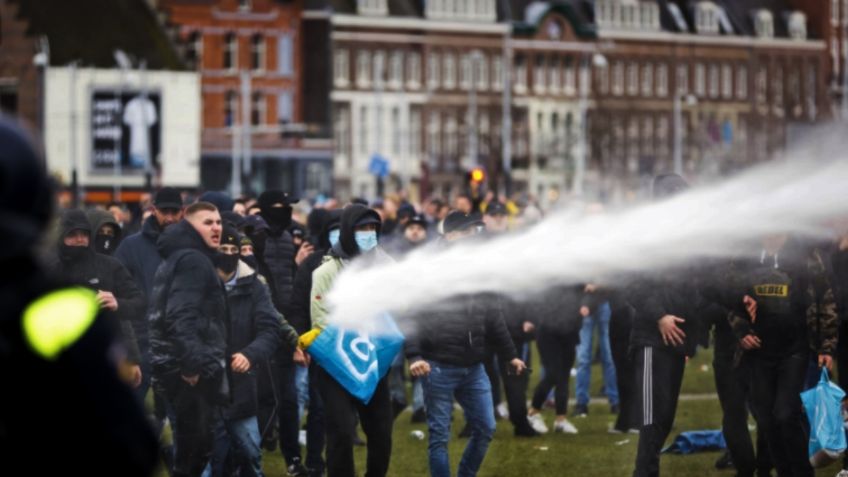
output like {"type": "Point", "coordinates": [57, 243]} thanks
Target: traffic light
{"type": "Point", "coordinates": [477, 175]}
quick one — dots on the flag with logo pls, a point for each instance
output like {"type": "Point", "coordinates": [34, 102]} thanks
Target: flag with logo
{"type": "Point", "coordinates": [356, 359]}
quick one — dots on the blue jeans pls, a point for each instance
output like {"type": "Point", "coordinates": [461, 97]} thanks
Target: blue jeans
{"type": "Point", "coordinates": [242, 436]}
{"type": "Point", "coordinates": [417, 395]}
{"type": "Point", "coordinates": [600, 320]}
{"type": "Point", "coordinates": [301, 378]}
{"type": "Point", "coordinates": [472, 390]}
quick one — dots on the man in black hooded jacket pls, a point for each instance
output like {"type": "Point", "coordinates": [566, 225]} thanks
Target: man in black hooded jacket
{"type": "Point", "coordinates": [188, 333]}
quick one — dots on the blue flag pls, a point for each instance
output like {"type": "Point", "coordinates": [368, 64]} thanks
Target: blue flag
{"type": "Point", "coordinates": [358, 360]}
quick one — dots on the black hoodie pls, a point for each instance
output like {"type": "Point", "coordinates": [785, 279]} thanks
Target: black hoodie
{"type": "Point", "coordinates": [301, 293]}
{"type": "Point", "coordinates": [96, 271]}
{"type": "Point", "coordinates": [188, 314]}
{"type": "Point", "coordinates": [351, 215]}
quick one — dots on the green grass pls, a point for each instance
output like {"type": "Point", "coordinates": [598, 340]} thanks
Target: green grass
{"type": "Point", "coordinates": [592, 452]}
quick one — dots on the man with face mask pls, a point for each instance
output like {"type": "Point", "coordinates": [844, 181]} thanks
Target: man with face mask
{"type": "Point", "coordinates": [327, 222]}
{"type": "Point", "coordinates": [118, 296]}
{"type": "Point", "coordinates": [189, 322]}
{"type": "Point", "coordinates": [278, 259]}
{"type": "Point", "coordinates": [359, 229]}
{"type": "Point", "coordinates": [107, 232]}
{"type": "Point", "coordinates": [255, 331]}
{"type": "Point", "coordinates": [446, 347]}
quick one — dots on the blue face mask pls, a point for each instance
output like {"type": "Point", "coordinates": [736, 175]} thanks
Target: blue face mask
{"type": "Point", "coordinates": [366, 240]}
{"type": "Point", "coordinates": [334, 237]}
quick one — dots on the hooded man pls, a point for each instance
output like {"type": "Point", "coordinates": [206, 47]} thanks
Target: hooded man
{"type": "Point", "coordinates": [188, 333]}
{"type": "Point", "coordinates": [106, 232]}
{"type": "Point", "coordinates": [117, 295]}
{"type": "Point", "coordinates": [358, 240]}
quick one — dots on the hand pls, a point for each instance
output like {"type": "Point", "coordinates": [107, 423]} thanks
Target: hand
{"type": "Point", "coordinates": [107, 300]}
{"type": "Point", "coordinates": [751, 306]}
{"type": "Point", "coordinates": [300, 358]}
{"type": "Point", "coordinates": [191, 380]}
{"type": "Point", "coordinates": [671, 334]}
{"type": "Point", "coordinates": [240, 363]}
{"type": "Point", "coordinates": [750, 342]}
{"type": "Point", "coordinates": [843, 243]}
{"type": "Point", "coordinates": [518, 366]}
{"type": "Point", "coordinates": [528, 326]}
{"type": "Point", "coordinates": [584, 311]}
{"type": "Point", "coordinates": [305, 250]}
{"type": "Point", "coordinates": [590, 288]}
{"type": "Point", "coordinates": [826, 361]}
{"type": "Point", "coordinates": [419, 368]}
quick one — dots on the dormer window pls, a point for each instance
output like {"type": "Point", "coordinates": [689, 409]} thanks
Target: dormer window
{"type": "Point", "coordinates": [373, 7]}
{"type": "Point", "coordinates": [628, 15]}
{"type": "Point", "coordinates": [457, 10]}
{"type": "Point", "coordinates": [764, 24]}
{"type": "Point", "coordinates": [797, 23]}
{"type": "Point", "coordinates": [706, 17]}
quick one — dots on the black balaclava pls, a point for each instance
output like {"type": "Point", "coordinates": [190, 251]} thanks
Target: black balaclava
{"type": "Point", "coordinates": [278, 218]}
{"type": "Point", "coordinates": [73, 219]}
{"type": "Point", "coordinates": [224, 262]}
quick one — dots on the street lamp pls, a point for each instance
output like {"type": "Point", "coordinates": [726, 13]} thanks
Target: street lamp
{"type": "Point", "coordinates": [475, 58]}
{"type": "Point", "coordinates": [691, 100]}
{"type": "Point", "coordinates": [599, 61]}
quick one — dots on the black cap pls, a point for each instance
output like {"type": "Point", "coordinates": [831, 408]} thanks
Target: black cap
{"type": "Point", "coordinates": [458, 221]}
{"type": "Point", "coordinates": [368, 219]}
{"type": "Point", "coordinates": [271, 197]}
{"type": "Point", "coordinates": [496, 208]}
{"type": "Point", "coordinates": [419, 219]}
{"type": "Point", "coordinates": [230, 235]}
{"type": "Point", "coordinates": [168, 198]}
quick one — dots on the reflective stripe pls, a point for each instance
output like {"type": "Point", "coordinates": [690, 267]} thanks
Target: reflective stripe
{"type": "Point", "coordinates": [54, 322]}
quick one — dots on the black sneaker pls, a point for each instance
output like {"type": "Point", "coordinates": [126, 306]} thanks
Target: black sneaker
{"type": "Point", "coordinates": [724, 462]}
{"type": "Point", "coordinates": [526, 432]}
{"type": "Point", "coordinates": [419, 416]}
{"type": "Point", "coordinates": [581, 410]}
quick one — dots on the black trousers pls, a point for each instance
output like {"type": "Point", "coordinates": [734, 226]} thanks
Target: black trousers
{"type": "Point", "coordinates": [659, 374]}
{"type": "Point", "coordinates": [287, 410]}
{"type": "Point", "coordinates": [733, 385]}
{"type": "Point", "coordinates": [620, 327]}
{"type": "Point", "coordinates": [194, 426]}
{"type": "Point", "coordinates": [776, 385]}
{"type": "Point", "coordinates": [340, 411]}
{"type": "Point", "coordinates": [557, 353]}
{"type": "Point", "coordinates": [315, 425]}
{"type": "Point", "coordinates": [515, 388]}
{"type": "Point", "coordinates": [492, 364]}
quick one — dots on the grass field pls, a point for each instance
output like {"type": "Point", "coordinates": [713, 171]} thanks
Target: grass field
{"type": "Point", "coordinates": [592, 452]}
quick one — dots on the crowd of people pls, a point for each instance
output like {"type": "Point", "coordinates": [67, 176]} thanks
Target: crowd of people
{"type": "Point", "coordinates": [215, 300]}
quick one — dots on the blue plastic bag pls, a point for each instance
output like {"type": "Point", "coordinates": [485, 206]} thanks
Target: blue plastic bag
{"type": "Point", "coordinates": [823, 405]}
{"type": "Point", "coordinates": [696, 441]}
{"type": "Point", "coordinates": [358, 360]}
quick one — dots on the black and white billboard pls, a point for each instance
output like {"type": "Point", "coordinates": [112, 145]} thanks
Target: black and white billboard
{"type": "Point", "coordinates": [125, 127]}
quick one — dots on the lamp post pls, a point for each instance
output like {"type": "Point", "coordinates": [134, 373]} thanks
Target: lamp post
{"type": "Point", "coordinates": [678, 128]}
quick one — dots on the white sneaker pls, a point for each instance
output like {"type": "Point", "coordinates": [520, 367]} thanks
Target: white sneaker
{"type": "Point", "coordinates": [842, 473]}
{"type": "Point", "coordinates": [503, 411]}
{"type": "Point", "coordinates": [537, 423]}
{"type": "Point", "coordinates": [565, 427]}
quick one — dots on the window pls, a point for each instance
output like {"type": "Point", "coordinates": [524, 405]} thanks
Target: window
{"type": "Point", "coordinates": [379, 67]}
{"type": "Point", "coordinates": [633, 79]}
{"type": "Point", "coordinates": [230, 108]}
{"type": "Point", "coordinates": [726, 81]}
{"type": "Point", "coordinates": [451, 137]}
{"type": "Point", "coordinates": [396, 70]}
{"type": "Point", "coordinates": [714, 81]}
{"type": "Point", "coordinates": [539, 75]}
{"type": "Point", "coordinates": [465, 72]}
{"type": "Point", "coordinates": [257, 52]}
{"type": "Point", "coordinates": [700, 80]}
{"type": "Point", "coordinates": [482, 67]}
{"type": "Point", "coordinates": [450, 71]}
{"type": "Point", "coordinates": [797, 26]}
{"type": "Point", "coordinates": [570, 86]}
{"type": "Point", "coordinates": [194, 49]}
{"type": "Point", "coordinates": [706, 17]}
{"type": "Point", "coordinates": [433, 75]}
{"type": "Point", "coordinates": [554, 71]}
{"type": "Point", "coordinates": [662, 80]}
{"type": "Point", "coordinates": [497, 73]}
{"type": "Point", "coordinates": [520, 73]}
{"type": "Point", "coordinates": [618, 78]}
{"type": "Point", "coordinates": [777, 89]}
{"type": "Point", "coordinates": [363, 69]}
{"type": "Point", "coordinates": [285, 107]}
{"type": "Point", "coordinates": [810, 91]}
{"type": "Point", "coordinates": [230, 51]}
{"type": "Point", "coordinates": [602, 73]}
{"type": "Point", "coordinates": [396, 132]}
{"type": "Point", "coordinates": [363, 129]}
{"type": "Point", "coordinates": [372, 7]}
{"type": "Point", "coordinates": [834, 12]}
{"type": "Point", "coordinates": [764, 23]}
{"type": "Point", "coordinates": [484, 133]}
{"type": "Point", "coordinates": [761, 86]}
{"type": "Point", "coordinates": [647, 79]}
{"type": "Point", "coordinates": [377, 125]}
{"type": "Point", "coordinates": [257, 110]}
{"type": "Point", "coordinates": [682, 79]}
{"type": "Point", "coordinates": [413, 70]}
{"type": "Point", "coordinates": [342, 131]}
{"type": "Point", "coordinates": [285, 55]}
{"type": "Point", "coordinates": [415, 132]}
{"type": "Point", "coordinates": [742, 82]}
{"type": "Point", "coordinates": [341, 68]}
{"type": "Point", "coordinates": [245, 5]}
{"type": "Point", "coordinates": [434, 134]}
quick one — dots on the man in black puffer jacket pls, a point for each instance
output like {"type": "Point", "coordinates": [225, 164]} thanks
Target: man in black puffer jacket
{"type": "Point", "coordinates": [188, 333]}
{"type": "Point", "coordinates": [665, 332]}
{"type": "Point", "coordinates": [256, 329]}
{"type": "Point", "coordinates": [119, 298]}
{"type": "Point", "coordinates": [446, 346]}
